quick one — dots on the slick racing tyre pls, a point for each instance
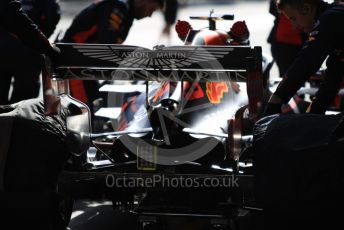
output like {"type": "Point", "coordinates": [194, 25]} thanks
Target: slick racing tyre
{"type": "Point", "coordinates": [36, 155]}
{"type": "Point", "coordinates": [64, 211]}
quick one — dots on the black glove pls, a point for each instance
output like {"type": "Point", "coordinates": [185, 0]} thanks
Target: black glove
{"type": "Point", "coordinates": [272, 108]}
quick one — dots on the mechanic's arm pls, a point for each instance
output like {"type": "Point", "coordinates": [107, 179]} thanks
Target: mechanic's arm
{"type": "Point", "coordinates": [15, 21]}
{"type": "Point", "coordinates": [308, 61]}
{"type": "Point", "coordinates": [329, 87]}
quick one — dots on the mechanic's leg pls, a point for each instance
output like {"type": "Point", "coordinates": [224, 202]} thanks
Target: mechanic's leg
{"type": "Point", "coordinates": [6, 43]}
{"type": "Point", "coordinates": [5, 85]}
{"type": "Point", "coordinates": [26, 78]}
{"type": "Point", "coordinates": [21, 61]}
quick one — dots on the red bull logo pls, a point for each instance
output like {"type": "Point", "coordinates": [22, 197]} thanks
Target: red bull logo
{"type": "Point", "coordinates": [215, 91]}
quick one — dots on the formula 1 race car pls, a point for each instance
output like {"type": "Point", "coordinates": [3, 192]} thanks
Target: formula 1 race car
{"type": "Point", "coordinates": [176, 151]}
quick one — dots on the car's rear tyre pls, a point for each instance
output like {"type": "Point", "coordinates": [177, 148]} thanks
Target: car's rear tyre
{"type": "Point", "coordinates": [63, 212]}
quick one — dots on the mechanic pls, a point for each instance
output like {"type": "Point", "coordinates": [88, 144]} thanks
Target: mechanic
{"type": "Point", "coordinates": [170, 15]}
{"type": "Point", "coordinates": [286, 40]}
{"type": "Point", "coordinates": [322, 21]}
{"type": "Point", "coordinates": [21, 42]}
{"type": "Point", "coordinates": [107, 21]}
{"type": "Point", "coordinates": [19, 34]}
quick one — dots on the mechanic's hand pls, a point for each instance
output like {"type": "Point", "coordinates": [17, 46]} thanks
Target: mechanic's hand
{"type": "Point", "coordinates": [272, 108]}
{"type": "Point", "coordinates": [274, 105]}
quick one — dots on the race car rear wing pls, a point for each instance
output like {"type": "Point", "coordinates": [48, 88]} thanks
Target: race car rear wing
{"type": "Point", "coordinates": [176, 63]}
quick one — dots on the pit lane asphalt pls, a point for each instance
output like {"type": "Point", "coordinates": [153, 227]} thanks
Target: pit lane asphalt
{"type": "Point", "coordinates": [99, 215]}
{"type": "Point", "coordinates": [90, 215]}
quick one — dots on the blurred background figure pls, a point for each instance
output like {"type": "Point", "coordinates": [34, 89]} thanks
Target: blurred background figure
{"type": "Point", "coordinates": [170, 15]}
{"type": "Point", "coordinates": [19, 43]}
{"type": "Point", "coordinates": [107, 21]}
{"type": "Point", "coordinates": [285, 39]}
